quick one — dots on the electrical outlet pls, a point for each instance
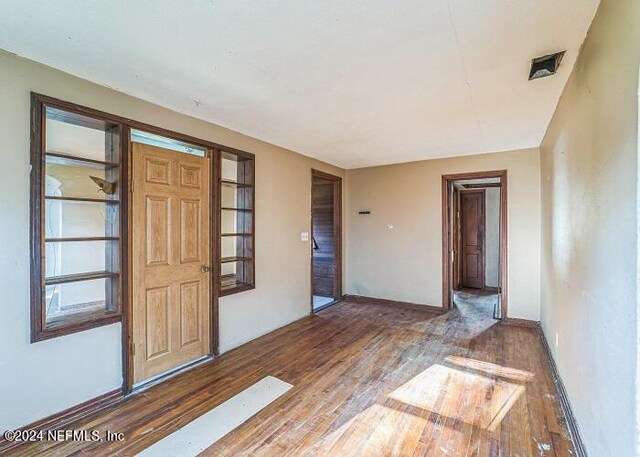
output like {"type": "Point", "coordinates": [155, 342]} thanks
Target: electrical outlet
{"type": "Point", "coordinates": [304, 236]}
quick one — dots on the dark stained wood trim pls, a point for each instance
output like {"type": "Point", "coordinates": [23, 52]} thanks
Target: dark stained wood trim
{"type": "Point", "coordinates": [35, 217]}
{"type": "Point", "coordinates": [247, 171]}
{"type": "Point", "coordinates": [40, 331]}
{"type": "Point", "coordinates": [447, 242]}
{"type": "Point", "coordinates": [565, 404]}
{"type": "Point", "coordinates": [89, 321]}
{"type": "Point", "coordinates": [237, 289]}
{"type": "Point", "coordinates": [215, 246]}
{"type": "Point", "coordinates": [226, 182]}
{"type": "Point", "coordinates": [456, 239]}
{"type": "Point", "coordinates": [491, 289]}
{"type": "Point", "coordinates": [234, 259]}
{"type": "Point", "coordinates": [228, 208]}
{"type": "Point", "coordinates": [482, 186]}
{"type": "Point", "coordinates": [253, 220]}
{"type": "Point", "coordinates": [126, 281]}
{"type": "Point", "coordinates": [78, 277]}
{"type": "Point", "coordinates": [504, 244]}
{"type": "Point", "coordinates": [59, 420]}
{"type": "Point", "coordinates": [337, 234]}
{"type": "Point", "coordinates": [517, 322]}
{"type": "Point", "coordinates": [131, 123]}
{"type": "Point", "coordinates": [100, 164]}
{"type": "Point", "coordinates": [383, 301]}
{"type": "Point", "coordinates": [81, 239]}
{"type": "Point", "coordinates": [83, 199]}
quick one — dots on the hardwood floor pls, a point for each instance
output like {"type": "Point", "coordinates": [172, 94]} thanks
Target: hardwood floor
{"type": "Point", "coordinates": [369, 379]}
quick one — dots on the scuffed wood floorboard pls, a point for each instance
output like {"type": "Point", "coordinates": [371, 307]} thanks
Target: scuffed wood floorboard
{"type": "Point", "coordinates": [369, 379]}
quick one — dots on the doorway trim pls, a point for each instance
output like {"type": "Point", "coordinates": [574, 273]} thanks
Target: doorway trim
{"type": "Point", "coordinates": [337, 237]}
{"type": "Point", "coordinates": [448, 241]}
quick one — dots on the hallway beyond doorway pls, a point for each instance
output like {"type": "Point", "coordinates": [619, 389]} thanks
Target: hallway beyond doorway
{"type": "Point", "coordinates": [477, 302]}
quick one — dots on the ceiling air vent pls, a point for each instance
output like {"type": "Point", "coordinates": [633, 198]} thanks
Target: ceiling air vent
{"type": "Point", "coordinates": [545, 66]}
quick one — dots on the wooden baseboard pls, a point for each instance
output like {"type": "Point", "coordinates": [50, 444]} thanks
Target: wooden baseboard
{"type": "Point", "coordinates": [520, 322]}
{"type": "Point", "coordinates": [572, 424]}
{"type": "Point", "coordinates": [383, 301]}
{"type": "Point", "coordinates": [63, 418]}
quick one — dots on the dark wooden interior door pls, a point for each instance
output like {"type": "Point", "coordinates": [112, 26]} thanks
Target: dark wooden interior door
{"type": "Point", "coordinates": [472, 227]}
{"type": "Point", "coordinates": [322, 212]}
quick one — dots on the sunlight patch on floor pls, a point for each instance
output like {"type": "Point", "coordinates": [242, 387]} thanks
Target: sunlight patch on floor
{"type": "Point", "coordinates": [491, 368]}
{"type": "Point", "coordinates": [435, 409]}
{"type": "Point", "coordinates": [469, 397]}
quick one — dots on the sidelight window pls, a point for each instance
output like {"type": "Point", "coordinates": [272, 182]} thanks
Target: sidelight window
{"type": "Point", "coordinates": [75, 206]}
{"type": "Point", "coordinates": [236, 218]}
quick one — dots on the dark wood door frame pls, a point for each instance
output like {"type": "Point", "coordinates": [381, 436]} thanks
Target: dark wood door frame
{"type": "Point", "coordinates": [337, 234]}
{"type": "Point", "coordinates": [448, 240]}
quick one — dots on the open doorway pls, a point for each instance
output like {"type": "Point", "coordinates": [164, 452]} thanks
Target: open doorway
{"type": "Point", "coordinates": [475, 242]}
{"type": "Point", "coordinates": [326, 243]}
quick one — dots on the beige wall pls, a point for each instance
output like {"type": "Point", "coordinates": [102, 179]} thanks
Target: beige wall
{"type": "Point", "coordinates": [589, 163]}
{"type": "Point", "coordinates": [46, 377]}
{"type": "Point", "coordinates": [405, 263]}
{"type": "Point", "coordinates": [492, 237]}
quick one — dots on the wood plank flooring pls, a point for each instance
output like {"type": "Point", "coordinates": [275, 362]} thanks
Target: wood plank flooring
{"type": "Point", "coordinates": [369, 380]}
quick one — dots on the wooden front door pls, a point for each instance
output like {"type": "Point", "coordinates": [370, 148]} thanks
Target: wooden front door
{"type": "Point", "coordinates": [472, 227]}
{"type": "Point", "coordinates": [171, 260]}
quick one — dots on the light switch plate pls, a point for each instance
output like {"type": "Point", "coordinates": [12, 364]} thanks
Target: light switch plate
{"type": "Point", "coordinates": [304, 236]}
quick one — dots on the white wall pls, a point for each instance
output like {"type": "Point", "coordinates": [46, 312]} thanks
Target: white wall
{"type": "Point", "coordinates": [46, 377]}
{"type": "Point", "coordinates": [405, 263]}
{"type": "Point", "coordinates": [492, 237]}
{"type": "Point", "coordinates": [589, 176]}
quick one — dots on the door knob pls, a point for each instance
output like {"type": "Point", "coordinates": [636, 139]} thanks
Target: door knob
{"type": "Point", "coordinates": [205, 268]}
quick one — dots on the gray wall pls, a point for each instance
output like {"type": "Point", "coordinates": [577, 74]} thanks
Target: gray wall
{"type": "Point", "coordinates": [589, 175]}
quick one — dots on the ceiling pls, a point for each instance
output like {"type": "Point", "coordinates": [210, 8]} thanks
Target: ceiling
{"type": "Point", "coordinates": [355, 83]}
